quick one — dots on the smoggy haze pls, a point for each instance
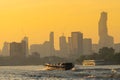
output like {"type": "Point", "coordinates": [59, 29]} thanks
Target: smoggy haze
{"type": "Point", "coordinates": [37, 18]}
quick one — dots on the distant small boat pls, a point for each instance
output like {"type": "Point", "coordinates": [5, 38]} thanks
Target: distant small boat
{"type": "Point", "coordinates": [59, 66]}
{"type": "Point", "coordinates": [92, 62]}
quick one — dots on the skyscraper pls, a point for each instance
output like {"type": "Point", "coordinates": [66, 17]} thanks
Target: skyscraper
{"type": "Point", "coordinates": [46, 49]}
{"type": "Point", "coordinates": [19, 50]}
{"type": "Point", "coordinates": [16, 50]}
{"type": "Point", "coordinates": [51, 41]}
{"type": "Point", "coordinates": [76, 44]}
{"type": "Point", "coordinates": [25, 41]}
{"type": "Point", "coordinates": [104, 39]}
{"type": "Point", "coordinates": [6, 49]}
{"type": "Point", "coordinates": [87, 46]}
{"type": "Point", "coordinates": [69, 45]}
{"type": "Point", "coordinates": [63, 46]}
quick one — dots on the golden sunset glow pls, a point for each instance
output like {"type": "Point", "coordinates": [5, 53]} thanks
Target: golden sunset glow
{"type": "Point", "coordinates": [37, 18]}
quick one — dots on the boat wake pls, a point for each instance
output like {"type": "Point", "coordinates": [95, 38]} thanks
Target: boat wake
{"type": "Point", "coordinates": [77, 73]}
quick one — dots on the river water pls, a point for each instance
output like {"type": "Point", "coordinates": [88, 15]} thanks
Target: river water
{"type": "Point", "coordinates": [108, 72]}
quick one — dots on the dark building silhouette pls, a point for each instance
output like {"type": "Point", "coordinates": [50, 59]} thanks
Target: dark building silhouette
{"type": "Point", "coordinates": [0, 53]}
{"type": "Point", "coordinates": [25, 41]}
{"type": "Point", "coordinates": [63, 46]}
{"type": "Point", "coordinates": [16, 50]}
{"type": "Point", "coordinates": [6, 49]}
{"type": "Point", "coordinates": [19, 50]}
{"type": "Point", "coordinates": [69, 45]}
{"type": "Point", "coordinates": [43, 49]}
{"type": "Point", "coordinates": [104, 39]}
{"type": "Point", "coordinates": [76, 44]}
{"type": "Point", "coordinates": [117, 47]}
{"type": "Point", "coordinates": [35, 48]}
{"type": "Point", "coordinates": [35, 55]}
{"type": "Point", "coordinates": [51, 42]}
{"type": "Point", "coordinates": [87, 46]}
{"type": "Point", "coordinates": [95, 48]}
{"type": "Point", "coordinates": [46, 49]}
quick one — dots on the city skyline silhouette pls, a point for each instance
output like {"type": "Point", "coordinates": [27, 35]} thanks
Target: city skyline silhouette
{"type": "Point", "coordinates": [36, 19]}
{"type": "Point", "coordinates": [75, 44]}
{"type": "Point", "coordinates": [59, 39]}
{"type": "Point", "coordinates": [107, 32]}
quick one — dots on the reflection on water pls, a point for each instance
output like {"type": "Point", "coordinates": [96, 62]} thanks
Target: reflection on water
{"type": "Point", "coordinates": [79, 73]}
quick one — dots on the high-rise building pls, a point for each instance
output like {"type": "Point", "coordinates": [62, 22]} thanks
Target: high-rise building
{"type": "Point", "coordinates": [63, 46]}
{"type": "Point", "coordinates": [95, 48]}
{"type": "Point", "coordinates": [36, 48]}
{"type": "Point", "coordinates": [104, 39]}
{"type": "Point", "coordinates": [42, 49]}
{"type": "Point", "coordinates": [87, 46]}
{"type": "Point", "coordinates": [69, 45]}
{"type": "Point", "coordinates": [16, 50]}
{"type": "Point", "coordinates": [46, 49]}
{"type": "Point", "coordinates": [117, 47]}
{"type": "Point", "coordinates": [76, 44]}
{"type": "Point", "coordinates": [51, 41]}
{"type": "Point", "coordinates": [19, 50]}
{"type": "Point", "coordinates": [6, 49]}
{"type": "Point", "coordinates": [25, 41]}
{"type": "Point", "coordinates": [51, 38]}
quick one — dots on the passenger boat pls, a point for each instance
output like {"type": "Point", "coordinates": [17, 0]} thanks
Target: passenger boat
{"type": "Point", "coordinates": [92, 62]}
{"type": "Point", "coordinates": [59, 66]}
{"type": "Point", "coordinates": [88, 63]}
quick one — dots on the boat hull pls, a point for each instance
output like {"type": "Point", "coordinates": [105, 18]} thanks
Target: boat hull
{"type": "Point", "coordinates": [63, 66]}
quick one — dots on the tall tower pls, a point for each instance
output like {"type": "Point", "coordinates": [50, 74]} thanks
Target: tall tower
{"type": "Point", "coordinates": [17, 50]}
{"type": "Point", "coordinates": [103, 31]}
{"type": "Point", "coordinates": [70, 45]}
{"type": "Point", "coordinates": [51, 40]}
{"type": "Point", "coordinates": [104, 39]}
{"type": "Point", "coordinates": [63, 46]}
{"type": "Point", "coordinates": [87, 46]}
{"type": "Point", "coordinates": [6, 49]}
{"type": "Point", "coordinates": [25, 45]}
{"type": "Point", "coordinates": [76, 44]}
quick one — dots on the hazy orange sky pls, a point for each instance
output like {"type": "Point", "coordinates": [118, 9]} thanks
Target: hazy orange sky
{"type": "Point", "coordinates": [37, 18]}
